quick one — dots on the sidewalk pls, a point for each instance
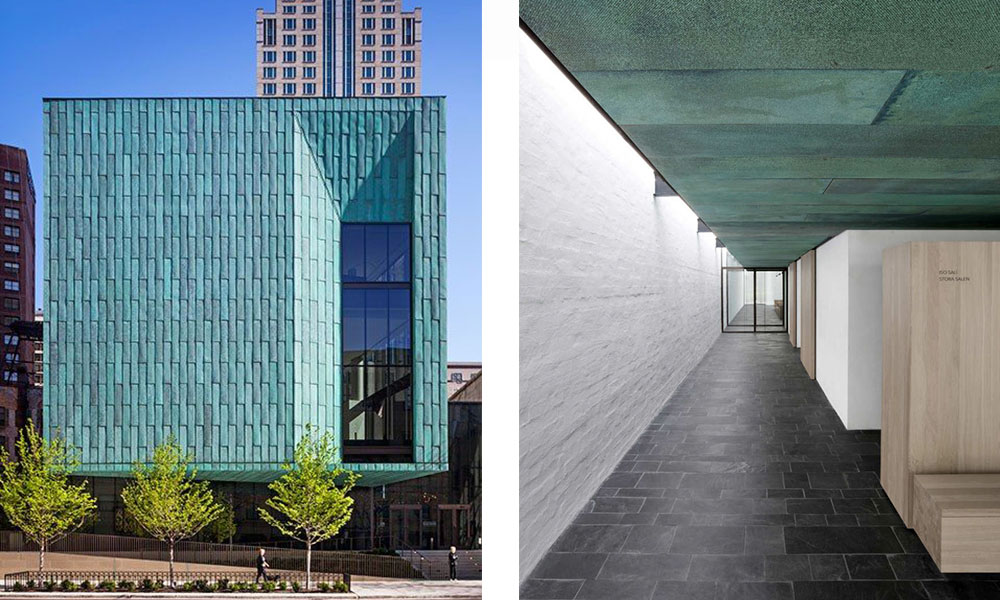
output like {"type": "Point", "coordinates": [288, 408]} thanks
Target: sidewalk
{"type": "Point", "coordinates": [418, 589]}
{"type": "Point", "coordinates": [369, 590]}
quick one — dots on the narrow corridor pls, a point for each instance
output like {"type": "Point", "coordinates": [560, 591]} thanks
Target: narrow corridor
{"type": "Point", "coordinates": [746, 486]}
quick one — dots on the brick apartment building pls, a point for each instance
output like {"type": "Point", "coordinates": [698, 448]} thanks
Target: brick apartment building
{"type": "Point", "coordinates": [17, 289]}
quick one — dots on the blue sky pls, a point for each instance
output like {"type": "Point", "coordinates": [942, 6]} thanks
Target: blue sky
{"type": "Point", "coordinates": [206, 48]}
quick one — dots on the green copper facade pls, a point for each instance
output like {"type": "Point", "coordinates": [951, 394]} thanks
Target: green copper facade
{"type": "Point", "coordinates": [192, 280]}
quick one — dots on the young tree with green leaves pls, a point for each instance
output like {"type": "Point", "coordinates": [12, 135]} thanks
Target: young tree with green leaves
{"type": "Point", "coordinates": [35, 491]}
{"type": "Point", "coordinates": [224, 526]}
{"type": "Point", "coordinates": [311, 498]}
{"type": "Point", "coordinates": [165, 501]}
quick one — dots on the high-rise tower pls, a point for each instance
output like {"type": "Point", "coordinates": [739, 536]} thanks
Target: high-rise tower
{"type": "Point", "coordinates": [340, 48]}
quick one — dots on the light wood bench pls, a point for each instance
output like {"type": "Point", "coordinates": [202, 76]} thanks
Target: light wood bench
{"type": "Point", "coordinates": [957, 517]}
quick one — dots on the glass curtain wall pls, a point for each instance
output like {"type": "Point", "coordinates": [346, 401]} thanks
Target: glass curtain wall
{"type": "Point", "coordinates": [377, 384]}
{"type": "Point", "coordinates": [753, 300]}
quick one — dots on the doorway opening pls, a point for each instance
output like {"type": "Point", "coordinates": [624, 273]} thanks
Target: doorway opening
{"type": "Point", "coordinates": [753, 300]}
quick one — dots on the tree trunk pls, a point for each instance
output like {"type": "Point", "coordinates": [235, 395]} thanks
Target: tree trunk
{"type": "Point", "coordinates": [41, 557]}
{"type": "Point", "coordinates": [171, 542]}
{"type": "Point", "coordinates": [309, 558]}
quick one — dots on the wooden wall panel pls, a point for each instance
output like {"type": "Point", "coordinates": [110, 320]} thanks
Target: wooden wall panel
{"type": "Point", "coordinates": [954, 412]}
{"type": "Point", "coordinates": [790, 302]}
{"type": "Point", "coordinates": [807, 279]}
{"type": "Point", "coordinates": [895, 475]}
{"type": "Point", "coordinates": [941, 363]}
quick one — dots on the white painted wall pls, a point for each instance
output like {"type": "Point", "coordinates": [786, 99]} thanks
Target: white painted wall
{"type": "Point", "coordinates": [736, 292]}
{"type": "Point", "coordinates": [619, 300]}
{"type": "Point", "coordinates": [831, 313]}
{"type": "Point", "coordinates": [769, 287]}
{"type": "Point", "coordinates": [860, 328]}
{"type": "Point", "coordinates": [798, 303]}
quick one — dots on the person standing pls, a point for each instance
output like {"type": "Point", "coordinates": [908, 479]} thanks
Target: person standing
{"type": "Point", "coordinates": [453, 564]}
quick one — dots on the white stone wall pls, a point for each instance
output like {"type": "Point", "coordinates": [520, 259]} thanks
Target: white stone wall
{"type": "Point", "coordinates": [619, 300]}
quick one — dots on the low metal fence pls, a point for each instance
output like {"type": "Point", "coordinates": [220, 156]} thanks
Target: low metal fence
{"type": "Point", "coordinates": [136, 578]}
{"type": "Point", "coordinates": [236, 555]}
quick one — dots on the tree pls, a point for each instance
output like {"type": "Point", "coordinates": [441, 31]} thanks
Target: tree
{"type": "Point", "coordinates": [224, 526]}
{"type": "Point", "coordinates": [312, 505]}
{"type": "Point", "coordinates": [165, 501]}
{"type": "Point", "coordinates": [36, 493]}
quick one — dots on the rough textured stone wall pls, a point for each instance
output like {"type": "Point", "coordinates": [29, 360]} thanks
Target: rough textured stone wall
{"type": "Point", "coordinates": [619, 300]}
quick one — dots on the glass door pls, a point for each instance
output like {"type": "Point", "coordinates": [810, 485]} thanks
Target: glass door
{"type": "Point", "coordinates": [753, 300]}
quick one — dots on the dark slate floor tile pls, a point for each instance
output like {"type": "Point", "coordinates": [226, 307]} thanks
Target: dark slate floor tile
{"type": "Point", "coordinates": [829, 481]}
{"type": "Point", "coordinates": [754, 591]}
{"type": "Point", "coordinates": [763, 480]}
{"type": "Point", "coordinates": [859, 590]}
{"type": "Point", "coordinates": [660, 480]}
{"type": "Point", "coordinates": [810, 520]}
{"type": "Point", "coordinates": [784, 493]}
{"type": "Point", "coordinates": [962, 590]}
{"type": "Point", "coordinates": [828, 567]}
{"type": "Point", "coordinates": [640, 493]}
{"type": "Point", "coordinates": [869, 566]}
{"type": "Point", "coordinates": [685, 590]}
{"type": "Point", "coordinates": [673, 519]}
{"type": "Point", "coordinates": [795, 480]}
{"type": "Point", "coordinates": [603, 589]}
{"type": "Point", "coordinates": [616, 505]}
{"type": "Point", "coordinates": [622, 480]}
{"type": "Point", "coordinates": [854, 506]}
{"type": "Point", "coordinates": [843, 520]}
{"type": "Point", "coordinates": [649, 539]}
{"type": "Point", "coordinates": [658, 505]}
{"type": "Point", "coordinates": [824, 493]}
{"type": "Point", "coordinates": [842, 540]}
{"type": "Point", "coordinates": [550, 589]}
{"type": "Point", "coordinates": [756, 494]}
{"type": "Point", "coordinates": [914, 567]}
{"type": "Point", "coordinates": [719, 567]}
{"type": "Point", "coordinates": [807, 467]}
{"type": "Point", "coordinates": [865, 479]}
{"type": "Point", "coordinates": [755, 519]}
{"type": "Point", "coordinates": [569, 565]}
{"type": "Point", "coordinates": [747, 479]}
{"type": "Point", "coordinates": [713, 507]}
{"type": "Point", "coordinates": [638, 518]}
{"type": "Point", "coordinates": [693, 539]}
{"type": "Point", "coordinates": [712, 480]}
{"type": "Point", "coordinates": [790, 567]}
{"type": "Point", "coordinates": [769, 506]}
{"type": "Point", "coordinates": [909, 540]}
{"type": "Point", "coordinates": [861, 493]}
{"type": "Point", "coordinates": [812, 506]}
{"type": "Point", "coordinates": [765, 540]}
{"type": "Point", "coordinates": [879, 520]}
{"type": "Point", "coordinates": [592, 538]}
{"type": "Point", "coordinates": [643, 567]}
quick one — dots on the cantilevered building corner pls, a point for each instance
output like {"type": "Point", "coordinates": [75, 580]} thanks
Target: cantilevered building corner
{"type": "Point", "coordinates": [229, 270]}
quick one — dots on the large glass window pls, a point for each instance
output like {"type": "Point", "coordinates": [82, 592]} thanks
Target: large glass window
{"type": "Point", "coordinates": [377, 347]}
{"type": "Point", "coordinates": [753, 300]}
{"type": "Point", "coordinates": [269, 31]}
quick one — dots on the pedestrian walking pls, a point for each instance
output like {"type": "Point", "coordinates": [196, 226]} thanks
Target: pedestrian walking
{"type": "Point", "coordinates": [262, 567]}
